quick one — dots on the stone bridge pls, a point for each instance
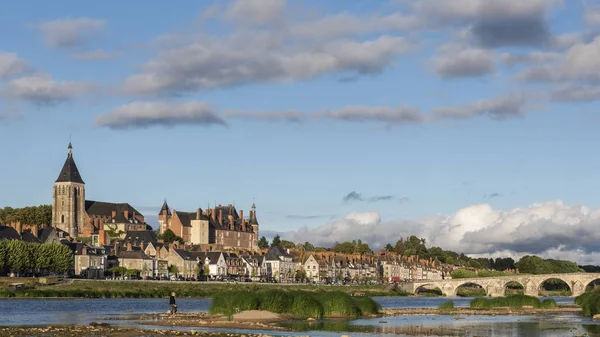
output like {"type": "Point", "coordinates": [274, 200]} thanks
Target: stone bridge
{"type": "Point", "coordinates": [495, 286]}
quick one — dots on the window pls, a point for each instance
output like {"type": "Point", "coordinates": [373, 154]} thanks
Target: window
{"type": "Point", "coordinates": [62, 219]}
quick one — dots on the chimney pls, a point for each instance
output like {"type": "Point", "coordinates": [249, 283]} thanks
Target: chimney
{"type": "Point", "coordinates": [198, 213]}
{"type": "Point", "coordinates": [126, 214]}
{"type": "Point", "coordinates": [244, 225]}
{"type": "Point", "coordinates": [171, 246]}
{"type": "Point", "coordinates": [116, 248]}
{"type": "Point", "coordinates": [231, 223]}
{"type": "Point", "coordinates": [35, 230]}
{"type": "Point", "coordinates": [212, 214]}
{"type": "Point", "coordinates": [101, 237]}
{"type": "Point", "coordinates": [241, 213]}
{"type": "Point", "coordinates": [18, 227]}
{"type": "Point", "coordinates": [114, 214]}
{"type": "Point", "coordinates": [129, 246]}
{"type": "Point", "coordinates": [220, 216]}
{"type": "Point", "coordinates": [84, 250]}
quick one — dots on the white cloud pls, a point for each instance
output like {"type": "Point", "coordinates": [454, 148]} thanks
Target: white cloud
{"type": "Point", "coordinates": [11, 65]}
{"type": "Point", "coordinates": [592, 17]}
{"type": "Point", "coordinates": [512, 59]}
{"type": "Point", "coordinates": [145, 114]}
{"type": "Point", "coordinates": [257, 12]}
{"type": "Point", "coordinates": [574, 92]}
{"type": "Point", "coordinates": [496, 108]}
{"type": "Point", "coordinates": [453, 61]}
{"type": "Point", "coordinates": [249, 58]}
{"type": "Point", "coordinates": [96, 55]}
{"type": "Point", "coordinates": [550, 229]}
{"type": "Point", "coordinates": [68, 33]}
{"type": "Point", "coordinates": [41, 89]}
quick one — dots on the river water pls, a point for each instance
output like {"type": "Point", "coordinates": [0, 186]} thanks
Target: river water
{"type": "Point", "coordinates": [42, 312]}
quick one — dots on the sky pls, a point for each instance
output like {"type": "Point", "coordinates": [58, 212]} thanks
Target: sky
{"type": "Point", "coordinates": [471, 123]}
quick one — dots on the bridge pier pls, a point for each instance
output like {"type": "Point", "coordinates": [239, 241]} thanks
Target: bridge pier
{"type": "Point", "coordinates": [495, 291]}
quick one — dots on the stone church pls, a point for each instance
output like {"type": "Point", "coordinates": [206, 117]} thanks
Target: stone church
{"type": "Point", "coordinates": [83, 218]}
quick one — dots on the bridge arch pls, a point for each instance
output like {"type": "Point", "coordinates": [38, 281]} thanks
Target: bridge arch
{"type": "Point", "coordinates": [513, 287]}
{"type": "Point", "coordinates": [429, 288]}
{"type": "Point", "coordinates": [591, 284]}
{"type": "Point", "coordinates": [544, 281]}
{"type": "Point", "coordinates": [470, 284]}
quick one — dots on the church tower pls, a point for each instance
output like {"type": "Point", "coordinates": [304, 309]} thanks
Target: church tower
{"type": "Point", "coordinates": [68, 198]}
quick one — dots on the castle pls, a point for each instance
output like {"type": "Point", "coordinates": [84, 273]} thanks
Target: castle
{"type": "Point", "coordinates": [84, 218]}
{"type": "Point", "coordinates": [222, 226]}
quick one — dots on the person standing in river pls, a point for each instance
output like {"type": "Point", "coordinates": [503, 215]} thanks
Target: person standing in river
{"type": "Point", "coordinates": [173, 305]}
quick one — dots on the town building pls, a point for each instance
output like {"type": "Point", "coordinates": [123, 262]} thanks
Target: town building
{"type": "Point", "coordinates": [79, 217]}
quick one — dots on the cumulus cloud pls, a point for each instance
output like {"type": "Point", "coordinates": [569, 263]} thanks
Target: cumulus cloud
{"type": "Point", "coordinates": [69, 33]}
{"type": "Point", "coordinates": [253, 57]}
{"type": "Point", "coordinates": [592, 17]}
{"type": "Point", "coordinates": [550, 229]}
{"type": "Point", "coordinates": [497, 108]}
{"type": "Point", "coordinates": [145, 114]}
{"type": "Point", "coordinates": [257, 12]}
{"type": "Point", "coordinates": [307, 216]}
{"type": "Point", "coordinates": [96, 55]}
{"type": "Point", "coordinates": [492, 23]}
{"type": "Point", "coordinates": [11, 65]}
{"type": "Point", "coordinates": [41, 89]}
{"type": "Point", "coordinates": [513, 59]}
{"type": "Point", "coordinates": [452, 61]}
{"type": "Point", "coordinates": [574, 92]}
{"type": "Point", "coordinates": [580, 62]}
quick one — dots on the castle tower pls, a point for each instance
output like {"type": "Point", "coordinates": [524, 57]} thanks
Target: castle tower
{"type": "Point", "coordinates": [254, 224]}
{"type": "Point", "coordinates": [164, 217]}
{"type": "Point", "coordinates": [68, 198]}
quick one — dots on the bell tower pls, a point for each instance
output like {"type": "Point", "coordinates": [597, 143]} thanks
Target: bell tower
{"type": "Point", "coordinates": [68, 198]}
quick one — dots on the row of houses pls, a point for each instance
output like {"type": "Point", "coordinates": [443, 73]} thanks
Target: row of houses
{"type": "Point", "coordinates": [143, 252]}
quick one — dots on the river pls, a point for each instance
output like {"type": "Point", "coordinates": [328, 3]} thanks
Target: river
{"type": "Point", "coordinates": [43, 312]}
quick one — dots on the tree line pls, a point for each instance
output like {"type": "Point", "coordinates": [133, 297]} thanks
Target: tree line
{"type": "Point", "coordinates": [33, 258]}
{"type": "Point", "coordinates": [31, 215]}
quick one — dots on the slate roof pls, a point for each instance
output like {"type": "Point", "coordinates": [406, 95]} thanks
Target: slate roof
{"type": "Point", "coordinates": [139, 236]}
{"type": "Point", "coordinates": [69, 172]}
{"type": "Point", "coordinates": [275, 252]}
{"type": "Point", "coordinates": [45, 232]}
{"type": "Point", "coordinates": [101, 208]}
{"type": "Point", "coordinates": [134, 253]}
{"type": "Point", "coordinates": [190, 255]}
{"type": "Point", "coordinates": [77, 248]}
{"type": "Point", "coordinates": [165, 207]}
{"type": "Point", "coordinates": [9, 233]}
{"type": "Point", "coordinates": [29, 237]}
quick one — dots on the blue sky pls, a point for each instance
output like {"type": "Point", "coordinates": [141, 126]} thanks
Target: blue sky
{"type": "Point", "coordinates": [421, 108]}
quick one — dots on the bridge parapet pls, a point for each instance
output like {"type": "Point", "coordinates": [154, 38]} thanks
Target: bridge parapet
{"type": "Point", "coordinates": [495, 286]}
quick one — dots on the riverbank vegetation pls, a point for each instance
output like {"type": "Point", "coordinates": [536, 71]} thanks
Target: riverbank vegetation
{"type": "Point", "coordinates": [160, 289]}
{"type": "Point", "coordinates": [513, 301]}
{"type": "Point", "coordinates": [589, 302]}
{"type": "Point", "coordinates": [22, 257]}
{"type": "Point", "coordinates": [299, 304]}
{"type": "Point", "coordinates": [447, 305]}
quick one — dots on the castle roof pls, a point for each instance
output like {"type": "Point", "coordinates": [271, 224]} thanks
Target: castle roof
{"type": "Point", "coordinates": [165, 207]}
{"type": "Point", "coordinates": [69, 172]}
{"type": "Point", "coordinates": [101, 208]}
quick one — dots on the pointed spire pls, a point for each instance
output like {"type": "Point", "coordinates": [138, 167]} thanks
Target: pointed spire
{"type": "Point", "coordinates": [165, 207]}
{"type": "Point", "coordinates": [69, 172]}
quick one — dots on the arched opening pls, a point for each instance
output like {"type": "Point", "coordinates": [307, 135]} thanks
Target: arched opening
{"type": "Point", "coordinates": [513, 288]}
{"type": "Point", "coordinates": [590, 286]}
{"type": "Point", "coordinates": [428, 290]}
{"type": "Point", "coordinates": [62, 219]}
{"type": "Point", "coordinates": [554, 287]}
{"type": "Point", "coordinates": [470, 290]}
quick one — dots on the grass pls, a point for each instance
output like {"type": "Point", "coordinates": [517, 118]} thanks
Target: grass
{"type": "Point", "coordinates": [513, 301]}
{"type": "Point", "coordinates": [152, 289]}
{"type": "Point", "coordinates": [589, 302]}
{"type": "Point", "coordinates": [470, 291]}
{"type": "Point", "coordinates": [300, 304]}
{"type": "Point", "coordinates": [447, 305]}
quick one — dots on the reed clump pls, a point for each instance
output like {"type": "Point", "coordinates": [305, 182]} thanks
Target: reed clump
{"type": "Point", "coordinates": [512, 301]}
{"type": "Point", "coordinates": [447, 305]}
{"type": "Point", "coordinates": [589, 302]}
{"type": "Point", "coordinates": [301, 304]}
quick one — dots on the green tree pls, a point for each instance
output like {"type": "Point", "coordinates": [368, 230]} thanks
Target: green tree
{"type": "Point", "coordinates": [3, 253]}
{"type": "Point", "coordinates": [168, 237]}
{"type": "Point", "coordinates": [18, 256]}
{"type": "Point", "coordinates": [308, 246]}
{"type": "Point", "coordinates": [276, 241]}
{"type": "Point", "coordinates": [197, 271]}
{"type": "Point", "coordinates": [173, 270]}
{"type": "Point", "coordinates": [206, 269]}
{"type": "Point", "coordinates": [389, 247]}
{"type": "Point", "coordinates": [113, 231]}
{"type": "Point", "coordinates": [62, 258]}
{"type": "Point", "coordinates": [287, 244]}
{"type": "Point", "coordinates": [263, 243]}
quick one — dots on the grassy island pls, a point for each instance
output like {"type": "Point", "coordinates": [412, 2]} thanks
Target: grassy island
{"type": "Point", "coordinates": [299, 304]}
{"type": "Point", "coordinates": [512, 301]}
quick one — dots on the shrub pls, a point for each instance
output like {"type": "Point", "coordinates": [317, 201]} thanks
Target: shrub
{"type": "Point", "coordinates": [339, 303]}
{"type": "Point", "coordinates": [447, 305]}
{"type": "Point", "coordinates": [548, 304]}
{"type": "Point", "coordinates": [589, 302]}
{"type": "Point", "coordinates": [276, 301]}
{"type": "Point", "coordinates": [513, 301]}
{"type": "Point", "coordinates": [367, 305]}
{"type": "Point", "coordinates": [228, 303]}
{"type": "Point", "coordinates": [306, 305]}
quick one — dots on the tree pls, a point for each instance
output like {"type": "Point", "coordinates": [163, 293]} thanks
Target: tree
{"type": "Point", "coordinates": [389, 247]}
{"type": "Point", "coordinates": [276, 241]}
{"type": "Point", "coordinates": [308, 246]}
{"type": "Point", "coordinates": [113, 231]}
{"type": "Point", "coordinates": [197, 271]}
{"type": "Point", "coordinates": [145, 270]}
{"type": "Point", "coordinates": [169, 237]}
{"type": "Point", "coordinates": [263, 243]}
{"type": "Point", "coordinates": [287, 244]}
{"type": "Point", "coordinates": [174, 270]}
